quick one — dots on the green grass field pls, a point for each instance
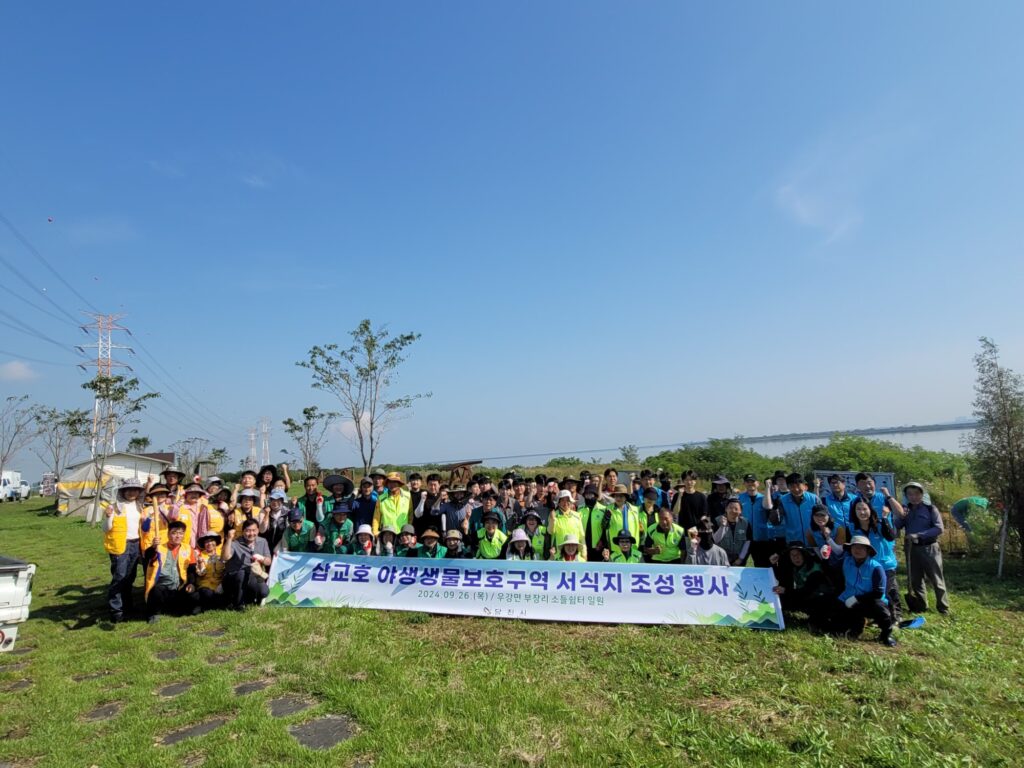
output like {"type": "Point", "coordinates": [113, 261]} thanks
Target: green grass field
{"type": "Point", "coordinates": [433, 690]}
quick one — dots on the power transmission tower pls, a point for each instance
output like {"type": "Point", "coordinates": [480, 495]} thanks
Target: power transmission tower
{"type": "Point", "coordinates": [250, 460]}
{"type": "Point", "coordinates": [265, 431]}
{"type": "Point", "coordinates": [104, 428]}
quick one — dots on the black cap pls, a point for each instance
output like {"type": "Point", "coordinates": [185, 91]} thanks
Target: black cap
{"type": "Point", "coordinates": [750, 477]}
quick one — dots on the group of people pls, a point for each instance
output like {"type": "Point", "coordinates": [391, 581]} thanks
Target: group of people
{"type": "Point", "coordinates": [208, 545]}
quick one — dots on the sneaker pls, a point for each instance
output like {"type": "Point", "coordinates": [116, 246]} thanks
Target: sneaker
{"type": "Point", "coordinates": [888, 641]}
{"type": "Point", "coordinates": [153, 619]}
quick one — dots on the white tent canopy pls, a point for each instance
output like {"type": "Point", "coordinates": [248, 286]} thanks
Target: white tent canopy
{"type": "Point", "coordinates": [76, 491]}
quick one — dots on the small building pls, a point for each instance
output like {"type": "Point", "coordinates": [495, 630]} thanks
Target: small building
{"type": "Point", "coordinates": [77, 488]}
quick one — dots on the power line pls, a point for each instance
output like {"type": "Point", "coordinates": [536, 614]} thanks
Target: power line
{"type": "Point", "coordinates": [35, 252]}
{"type": "Point", "coordinates": [44, 310]}
{"type": "Point", "coordinates": [32, 359]}
{"type": "Point", "coordinates": [28, 330]}
{"type": "Point", "coordinates": [14, 271]}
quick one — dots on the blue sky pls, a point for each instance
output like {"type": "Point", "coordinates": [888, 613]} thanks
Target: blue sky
{"type": "Point", "coordinates": [612, 222]}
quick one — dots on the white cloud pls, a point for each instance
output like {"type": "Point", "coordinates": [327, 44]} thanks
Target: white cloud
{"type": "Point", "coordinates": [16, 370]}
{"type": "Point", "coordinates": [255, 180]}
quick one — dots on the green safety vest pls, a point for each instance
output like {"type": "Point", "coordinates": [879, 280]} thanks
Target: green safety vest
{"type": "Point", "coordinates": [669, 542]}
{"type": "Point", "coordinates": [298, 542]}
{"type": "Point", "coordinates": [332, 531]}
{"type": "Point", "coordinates": [489, 550]}
{"type": "Point", "coordinates": [618, 557]}
{"type": "Point", "coordinates": [566, 524]}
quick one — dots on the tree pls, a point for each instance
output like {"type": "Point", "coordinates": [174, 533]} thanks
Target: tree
{"type": "Point", "coordinates": [310, 435]}
{"type": "Point", "coordinates": [123, 408]}
{"type": "Point", "coordinates": [565, 461]}
{"type": "Point", "coordinates": [188, 452]}
{"type": "Point", "coordinates": [361, 377]}
{"type": "Point", "coordinates": [629, 455]}
{"type": "Point", "coordinates": [139, 444]}
{"type": "Point", "coordinates": [61, 434]}
{"type": "Point", "coordinates": [16, 427]}
{"type": "Point", "coordinates": [996, 449]}
{"type": "Point", "coordinates": [219, 457]}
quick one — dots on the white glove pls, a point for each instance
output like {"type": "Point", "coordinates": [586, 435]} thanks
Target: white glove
{"type": "Point", "coordinates": [913, 538]}
{"type": "Point", "coordinates": [850, 602]}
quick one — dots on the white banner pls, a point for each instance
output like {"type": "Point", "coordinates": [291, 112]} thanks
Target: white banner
{"type": "Point", "coordinates": [550, 591]}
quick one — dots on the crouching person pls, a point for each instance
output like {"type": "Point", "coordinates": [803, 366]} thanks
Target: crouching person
{"type": "Point", "coordinates": [804, 587]}
{"type": "Point", "coordinates": [171, 575]}
{"type": "Point", "coordinates": [624, 552]}
{"type": "Point", "coordinates": [248, 561]}
{"type": "Point", "coordinates": [210, 567]}
{"type": "Point", "coordinates": [864, 597]}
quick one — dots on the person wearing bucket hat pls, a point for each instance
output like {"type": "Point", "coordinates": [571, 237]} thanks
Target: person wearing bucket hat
{"type": "Point", "coordinates": [454, 509]}
{"type": "Point", "coordinates": [923, 526]}
{"type": "Point", "coordinates": [406, 542]}
{"type": "Point", "coordinates": [454, 548]}
{"type": "Point", "coordinates": [569, 549]}
{"type": "Point", "coordinates": [387, 541]}
{"type": "Point", "coordinates": [536, 532]}
{"type": "Point", "coordinates": [430, 545]}
{"type": "Point", "coordinates": [805, 587]}
{"type": "Point", "coordinates": [620, 515]}
{"type": "Point", "coordinates": [338, 529]}
{"type": "Point", "coordinates": [625, 550]}
{"type": "Point", "coordinates": [394, 508]}
{"type": "Point", "coordinates": [864, 521]}
{"type": "Point", "coordinates": [490, 538]}
{"type": "Point", "coordinates": [364, 541]}
{"type": "Point", "coordinates": [210, 567]}
{"type": "Point", "coordinates": [122, 539]}
{"type": "Point", "coordinates": [247, 510]}
{"type": "Point", "coordinates": [518, 547]}
{"type": "Point", "coordinates": [198, 511]}
{"type": "Point", "coordinates": [564, 520]}
{"type": "Point", "coordinates": [340, 488]}
{"type": "Point", "coordinates": [172, 479]}
{"type": "Point", "coordinates": [300, 535]}
{"type": "Point", "coordinates": [864, 596]}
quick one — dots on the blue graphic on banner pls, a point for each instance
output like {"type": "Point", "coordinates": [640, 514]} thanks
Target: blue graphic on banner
{"type": "Point", "coordinates": [616, 593]}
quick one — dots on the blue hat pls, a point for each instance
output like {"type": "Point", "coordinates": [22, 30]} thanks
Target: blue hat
{"type": "Point", "coordinates": [277, 493]}
{"type": "Point", "coordinates": [295, 516]}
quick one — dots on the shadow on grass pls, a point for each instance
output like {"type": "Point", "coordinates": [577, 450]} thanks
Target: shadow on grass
{"type": "Point", "coordinates": [975, 578]}
{"type": "Point", "coordinates": [80, 607]}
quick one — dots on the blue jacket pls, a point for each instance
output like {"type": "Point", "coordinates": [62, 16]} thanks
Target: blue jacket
{"type": "Point", "coordinates": [882, 537]}
{"type": "Point", "coordinates": [864, 580]}
{"type": "Point", "coordinates": [839, 508]}
{"type": "Point", "coordinates": [637, 497]}
{"type": "Point", "coordinates": [754, 511]}
{"type": "Point", "coordinates": [362, 510]}
{"type": "Point", "coordinates": [798, 516]}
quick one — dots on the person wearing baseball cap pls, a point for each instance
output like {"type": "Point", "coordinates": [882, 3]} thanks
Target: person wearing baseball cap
{"type": "Point", "coordinates": [922, 524]}
{"type": "Point", "coordinates": [364, 504]}
{"type": "Point", "coordinates": [406, 541]}
{"type": "Point", "coordinates": [300, 536]}
{"type": "Point", "coordinates": [864, 596]}
{"type": "Point", "coordinates": [454, 549]}
{"type": "Point", "coordinates": [562, 521]}
{"type": "Point", "coordinates": [338, 527]}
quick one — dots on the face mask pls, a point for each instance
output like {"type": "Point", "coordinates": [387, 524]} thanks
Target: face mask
{"type": "Point", "coordinates": [705, 540]}
{"type": "Point", "coordinates": [591, 500]}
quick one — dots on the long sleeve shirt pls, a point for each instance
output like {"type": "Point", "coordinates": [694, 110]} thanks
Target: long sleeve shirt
{"type": "Point", "coordinates": [923, 520]}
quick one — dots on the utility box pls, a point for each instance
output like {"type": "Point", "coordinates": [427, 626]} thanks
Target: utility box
{"type": "Point", "coordinates": [15, 596]}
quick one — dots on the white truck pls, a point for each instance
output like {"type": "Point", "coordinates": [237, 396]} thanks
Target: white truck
{"type": "Point", "coordinates": [15, 596]}
{"type": "Point", "coordinates": [10, 485]}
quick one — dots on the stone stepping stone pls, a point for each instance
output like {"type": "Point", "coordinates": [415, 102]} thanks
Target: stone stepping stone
{"type": "Point", "coordinates": [288, 705]}
{"type": "Point", "coordinates": [19, 685]}
{"type": "Point", "coordinates": [168, 655]}
{"type": "Point", "coordinates": [222, 659]}
{"type": "Point", "coordinates": [214, 633]}
{"type": "Point", "coordinates": [244, 689]}
{"type": "Point", "coordinates": [21, 650]}
{"type": "Point", "coordinates": [138, 635]}
{"type": "Point", "coordinates": [103, 712]}
{"type": "Point", "coordinates": [91, 676]}
{"type": "Point", "coordinates": [199, 729]}
{"type": "Point", "coordinates": [174, 689]}
{"type": "Point", "coordinates": [324, 732]}
{"type": "Point", "coordinates": [16, 667]}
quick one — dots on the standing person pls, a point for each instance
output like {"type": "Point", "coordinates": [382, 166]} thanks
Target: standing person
{"type": "Point", "coordinates": [922, 524]}
{"type": "Point", "coordinates": [592, 514]}
{"type": "Point", "coordinates": [689, 505]}
{"type": "Point", "coordinates": [340, 488]}
{"type": "Point", "coordinates": [247, 510]}
{"type": "Point", "coordinates": [620, 515]}
{"type": "Point", "coordinates": [563, 521]}
{"type": "Point", "coordinates": [864, 521]}
{"type": "Point", "coordinates": [664, 540]}
{"type": "Point", "coordinates": [838, 501]}
{"type": "Point", "coordinates": [273, 520]}
{"type": "Point", "coordinates": [245, 578]}
{"type": "Point", "coordinates": [864, 595]}
{"type": "Point", "coordinates": [172, 479]}
{"type": "Point", "coordinates": [455, 509]}
{"type": "Point", "coordinates": [170, 575]}
{"type": "Point", "coordinates": [797, 504]}
{"type": "Point", "coordinates": [767, 538]}
{"type": "Point", "coordinates": [312, 503]}
{"type": "Point", "coordinates": [122, 538]}
{"type": "Point", "coordinates": [364, 505]}
{"type": "Point", "coordinates": [733, 533]}
{"type": "Point", "coordinates": [427, 511]}
{"type": "Point", "coordinates": [379, 479]}
{"type": "Point", "coordinates": [701, 548]}
{"type": "Point", "coordinates": [393, 509]}
{"type": "Point", "coordinates": [721, 492]}
{"type": "Point", "coordinates": [879, 500]}
{"type": "Point", "coordinates": [489, 504]}
{"type": "Point", "coordinates": [611, 479]}
{"type": "Point", "coordinates": [192, 510]}
{"type": "Point", "coordinates": [649, 508]}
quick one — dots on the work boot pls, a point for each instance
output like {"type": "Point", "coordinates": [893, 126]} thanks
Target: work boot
{"type": "Point", "coordinates": [887, 639]}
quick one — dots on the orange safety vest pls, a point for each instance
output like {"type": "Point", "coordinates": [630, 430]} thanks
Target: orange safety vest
{"type": "Point", "coordinates": [186, 557]}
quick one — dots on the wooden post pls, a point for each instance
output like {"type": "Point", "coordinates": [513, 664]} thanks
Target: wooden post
{"type": "Point", "coordinates": [1002, 541]}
